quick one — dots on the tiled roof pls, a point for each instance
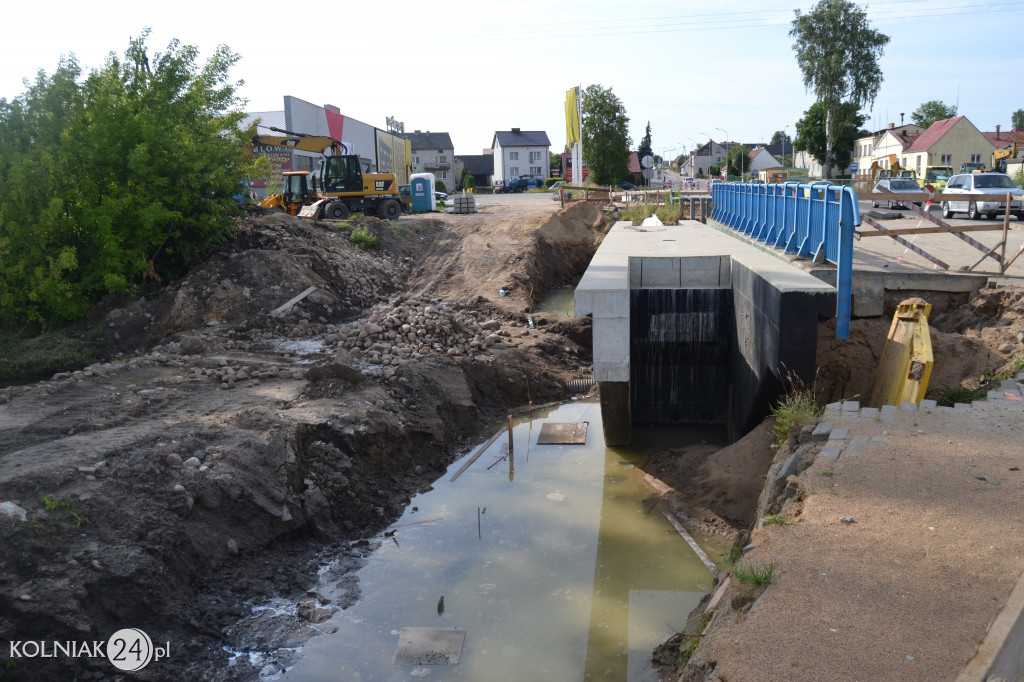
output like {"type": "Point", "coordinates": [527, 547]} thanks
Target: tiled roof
{"type": "Point", "coordinates": [478, 164]}
{"type": "Point", "coordinates": [935, 132]}
{"type": "Point", "coordinates": [524, 138]}
{"type": "Point", "coordinates": [1006, 138]}
{"type": "Point", "coordinates": [429, 140]}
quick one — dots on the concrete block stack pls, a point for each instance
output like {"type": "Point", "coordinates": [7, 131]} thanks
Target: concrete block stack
{"type": "Point", "coordinates": [465, 203]}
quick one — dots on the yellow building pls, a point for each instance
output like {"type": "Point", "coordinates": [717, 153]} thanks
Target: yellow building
{"type": "Point", "coordinates": [949, 142]}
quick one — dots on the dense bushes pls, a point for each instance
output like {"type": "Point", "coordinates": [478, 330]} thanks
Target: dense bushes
{"type": "Point", "coordinates": [115, 179]}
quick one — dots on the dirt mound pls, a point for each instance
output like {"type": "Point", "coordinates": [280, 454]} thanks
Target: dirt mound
{"type": "Point", "coordinates": [983, 336]}
{"type": "Point", "coordinates": [176, 485]}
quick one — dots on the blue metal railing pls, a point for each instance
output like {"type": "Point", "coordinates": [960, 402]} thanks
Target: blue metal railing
{"type": "Point", "coordinates": [813, 221]}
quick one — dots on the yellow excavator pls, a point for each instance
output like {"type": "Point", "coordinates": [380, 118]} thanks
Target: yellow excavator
{"type": "Point", "coordinates": [895, 170]}
{"type": "Point", "coordinates": [344, 183]}
{"type": "Point", "coordinates": [1000, 156]}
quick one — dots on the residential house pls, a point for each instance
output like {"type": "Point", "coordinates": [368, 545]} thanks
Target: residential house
{"type": "Point", "coordinates": [761, 159]}
{"type": "Point", "coordinates": [480, 166]}
{"type": "Point", "coordinates": [520, 152]}
{"type": "Point", "coordinates": [949, 142]}
{"type": "Point", "coordinates": [700, 162]}
{"type": "Point", "coordinates": [433, 153]}
{"type": "Point", "coordinates": [1005, 140]}
{"type": "Point", "coordinates": [877, 146]}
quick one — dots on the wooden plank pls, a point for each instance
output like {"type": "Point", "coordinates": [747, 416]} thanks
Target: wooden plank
{"type": "Point", "coordinates": [883, 231]}
{"type": "Point", "coordinates": [932, 230]}
{"type": "Point", "coordinates": [479, 452]}
{"type": "Point", "coordinates": [293, 301]}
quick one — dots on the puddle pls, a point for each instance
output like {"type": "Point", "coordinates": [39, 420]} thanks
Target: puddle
{"type": "Point", "coordinates": [547, 560]}
{"type": "Point", "coordinates": [558, 301]}
{"type": "Point", "coordinates": [298, 347]}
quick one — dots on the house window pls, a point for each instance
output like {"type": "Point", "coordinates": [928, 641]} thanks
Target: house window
{"type": "Point", "coordinates": [444, 175]}
{"type": "Point", "coordinates": [513, 170]}
{"type": "Point", "coordinates": [442, 159]}
{"type": "Point", "coordinates": [975, 158]}
{"type": "Point", "coordinates": [535, 170]}
{"type": "Point", "coordinates": [918, 163]}
{"type": "Point", "coordinates": [534, 156]}
{"type": "Point", "coordinates": [947, 159]}
{"type": "Point", "coordinates": [513, 156]}
{"type": "Point", "coordinates": [416, 160]}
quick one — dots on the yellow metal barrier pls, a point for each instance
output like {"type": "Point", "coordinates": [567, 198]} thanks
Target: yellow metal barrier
{"type": "Point", "coordinates": [906, 364]}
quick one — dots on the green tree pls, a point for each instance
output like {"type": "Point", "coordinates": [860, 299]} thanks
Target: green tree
{"type": "Point", "coordinates": [554, 163]}
{"type": "Point", "coordinates": [605, 134]}
{"type": "Point", "coordinates": [930, 112]}
{"type": "Point", "coordinates": [838, 53]}
{"type": "Point", "coordinates": [1018, 119]}
{"type": "Point", "coordinates": [115, 179]}
{"type": "Point", "coordinates": [811, 136]}
{"type": "Point", "coordinates": [739, 160]}
{"type": "Point", "coordinates": [780, 137]}
{"type": "Point", "coordinates": [645, 145]}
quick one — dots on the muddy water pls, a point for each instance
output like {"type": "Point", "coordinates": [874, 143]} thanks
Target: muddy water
{"type": "Point", "coordinates": [547, 559]}
{"type": "Point", "coordinates": [558, 301]}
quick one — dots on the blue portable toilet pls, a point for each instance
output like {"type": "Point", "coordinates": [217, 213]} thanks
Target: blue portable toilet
{"type": "Point", "coordinates": [422, 186]}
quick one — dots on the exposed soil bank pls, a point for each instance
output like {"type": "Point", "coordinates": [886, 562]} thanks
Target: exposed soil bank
{"type": "Point", "coordinates": [221, 447]}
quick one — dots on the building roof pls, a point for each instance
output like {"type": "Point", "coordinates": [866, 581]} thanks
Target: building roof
{"type": "Point", "coordinates": [478, 164]}
{"type": "Point", "coordinates": [935, 132]}
{"type": "Point", "coordinates": [521, 138]}
{"type": "Point", "coordinates": [1006, 138]}
{"type": "Point", "coordinates": [268, 119]}
{"type": "Point", "coordinates": [428, 140]}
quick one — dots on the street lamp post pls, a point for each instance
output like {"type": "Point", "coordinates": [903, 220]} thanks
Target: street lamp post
{"type": "Point", "coordinates": [727, 157]}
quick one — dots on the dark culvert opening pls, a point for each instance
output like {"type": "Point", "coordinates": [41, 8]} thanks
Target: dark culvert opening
{"type": "Point", "coordinates": [681, 343]}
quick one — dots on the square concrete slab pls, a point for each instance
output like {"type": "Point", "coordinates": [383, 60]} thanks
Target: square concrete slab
{"type": "Point", "coordinates": [563, 434]}
{"type": "Point", "coordinates": [430, 646]}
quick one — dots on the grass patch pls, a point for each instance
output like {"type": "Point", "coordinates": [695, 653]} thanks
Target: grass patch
{"type": "Point", "coordinates": [363, 239]}
{"type": "Point", "coordinates": [988, 381]}
{"type": "Point", "coordinates": [795, 411]}
{"type": "Point", "coordinates": [691, 640]}
{"type": "Point", "coordinates": [732, 557]}
{"type": "Point", "coordinates": [29, 359]}
{"type": "Point", "coordinates": [776, 519]}
{"type": "Point", "coordinates": [668, 213]}
{"type": "Point", "coordinates": [758, 575]}
{"type": "Point", "coordinates": [61, 507]}
{"type": "Point", "coordinates": [827, 474]}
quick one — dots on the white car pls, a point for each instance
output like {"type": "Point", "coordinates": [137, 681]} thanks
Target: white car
{"type": "Point", "coordinates": [982, 183]}
{"type": "Point", "coordinates": [895, 186]}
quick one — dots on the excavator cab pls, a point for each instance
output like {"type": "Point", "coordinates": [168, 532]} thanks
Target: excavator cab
{"type": "Point", "coordinates": [297, 189]}
{"type": "Point", "coordinates": [342, 174]}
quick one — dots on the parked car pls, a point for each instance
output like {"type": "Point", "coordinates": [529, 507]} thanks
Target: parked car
{"type": "Point", "coordinates": [555, 186]}
{"type": "Point", "coordinates": [623, 184]}
{"type": "Point", "coordinates": [982, 183]}
{"type": "Point", "coordinates": [895, 186]}
{"type": "Point", "coordinates": [440, 196]}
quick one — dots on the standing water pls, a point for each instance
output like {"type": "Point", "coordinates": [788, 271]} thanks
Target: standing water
{"type": "Point", "coordinates": [559, 301]}
{"type": "Point", "coordinates": [546, 559]}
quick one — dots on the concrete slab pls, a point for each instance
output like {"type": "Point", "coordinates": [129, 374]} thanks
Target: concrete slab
{"type": "Point", "coordinates": [830, 452]}
{"type": "Point", "coordinates": [552, 433]}
{"type": "Point", "coordinates": [869, 413]}
{"type": "Point", "coordinates": [430, 646]}
{"type": "Point", "coordinates": [857, 446]}
{"type": "Point", "coordinates": [822, 430]}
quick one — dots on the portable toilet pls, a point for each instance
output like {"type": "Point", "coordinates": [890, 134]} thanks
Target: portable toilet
{"type": "Point", "coordinates": [423, 197]}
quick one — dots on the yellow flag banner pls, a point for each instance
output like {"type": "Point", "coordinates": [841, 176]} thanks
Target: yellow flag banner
{"type": "Point", "coordinates": [572, 117]}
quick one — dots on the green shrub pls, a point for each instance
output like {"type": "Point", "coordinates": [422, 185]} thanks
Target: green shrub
{"type": "Point", "coordinates": [364, 239]}
{"type": "Point", "coordinates": [440, 186]}
{"type": "Point", "coordinates": [668, 213]}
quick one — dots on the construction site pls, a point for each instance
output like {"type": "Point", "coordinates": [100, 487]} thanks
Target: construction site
{"type": "Point", "coordinates": [324, 455]}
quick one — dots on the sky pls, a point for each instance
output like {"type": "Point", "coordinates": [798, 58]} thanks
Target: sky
{"type": "Point", "coordinates": [693, 70]}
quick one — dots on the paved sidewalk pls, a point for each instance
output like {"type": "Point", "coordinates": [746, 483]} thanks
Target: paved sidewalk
{"type": "Point", "coordinates": [908, 541]}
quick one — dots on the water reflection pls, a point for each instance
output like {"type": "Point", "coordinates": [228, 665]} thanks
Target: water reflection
{"type": "Point", "coordinates": [544, 555]}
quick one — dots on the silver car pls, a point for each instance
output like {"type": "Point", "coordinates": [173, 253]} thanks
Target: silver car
{"type": "Point", "coordinates": [981, 183]}
{"type": "Point", "coordinates": [895, 186]}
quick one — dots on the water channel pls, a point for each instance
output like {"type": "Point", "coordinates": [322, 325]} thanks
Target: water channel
{"type": "Point", "coordinates": [558, 301]}
{"type": "Point", "coordinates": [546, 559]}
